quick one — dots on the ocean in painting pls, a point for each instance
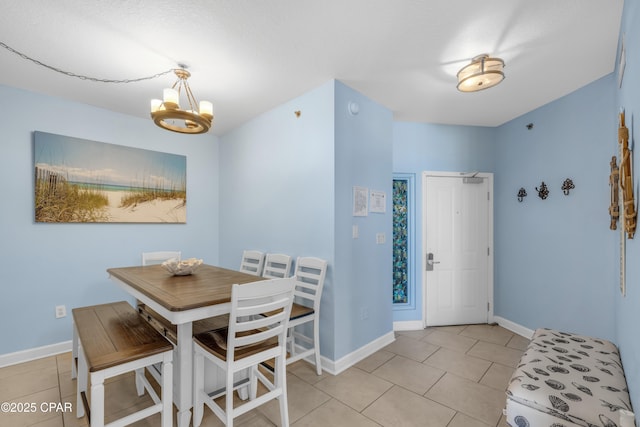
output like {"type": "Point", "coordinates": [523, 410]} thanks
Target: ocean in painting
{"type": "Point", "coordinates": [111, 187]}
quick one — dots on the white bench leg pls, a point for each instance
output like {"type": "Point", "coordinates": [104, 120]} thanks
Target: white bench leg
{"type": "Point", "coordinates": [97, 399]}
{"type": "Point", "coordinates": [139, 383]}
{"type": "Point", "coordinates": [167, 391]}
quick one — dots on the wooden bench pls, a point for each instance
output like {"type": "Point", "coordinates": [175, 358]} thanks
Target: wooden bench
{"type": "Point", "coordinates": [112, 339]}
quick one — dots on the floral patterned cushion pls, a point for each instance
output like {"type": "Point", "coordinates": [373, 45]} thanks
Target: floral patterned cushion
{"type": "Point", "coordinates": [566, 379]}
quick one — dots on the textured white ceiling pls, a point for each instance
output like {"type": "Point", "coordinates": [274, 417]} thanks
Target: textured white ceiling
{"type": "Point", "coordinates": [247, 56]}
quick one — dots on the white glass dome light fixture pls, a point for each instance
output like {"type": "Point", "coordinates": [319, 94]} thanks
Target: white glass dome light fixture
{"type": "Point", "coordinates": [482, 73]}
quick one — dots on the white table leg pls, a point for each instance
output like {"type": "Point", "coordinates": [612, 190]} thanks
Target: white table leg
{"type": "Point", "coordinates": [74, 352]}
{"type": "Point", "coordinates": [183, 379]}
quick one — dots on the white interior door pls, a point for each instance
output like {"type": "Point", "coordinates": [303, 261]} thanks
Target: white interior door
{"type": "Point", "coordinates": [457, 248]}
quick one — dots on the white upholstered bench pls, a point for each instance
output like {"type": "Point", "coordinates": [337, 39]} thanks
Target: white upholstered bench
{"type": "Point", "coordinates": [567, 380]}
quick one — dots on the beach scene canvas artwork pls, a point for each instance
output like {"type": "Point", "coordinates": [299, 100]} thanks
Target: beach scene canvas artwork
{"type": "Point", "coordinates": [83, 181]}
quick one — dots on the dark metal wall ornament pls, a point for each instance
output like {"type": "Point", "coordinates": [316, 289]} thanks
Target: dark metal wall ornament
{"type": "Point", "coordinates": [567, 186]}
{"type": "Point", "coordinates": [543, 191]}
{"type": "Point", "coordinates": [522, 193]}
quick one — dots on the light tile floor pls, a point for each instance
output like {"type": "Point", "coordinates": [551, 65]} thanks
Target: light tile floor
{"type": "Point", "coordinates": [451, 376]}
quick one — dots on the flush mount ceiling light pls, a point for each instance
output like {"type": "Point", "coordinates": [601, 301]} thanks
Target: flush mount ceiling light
{"type": "Point", "coordinates": [482, 73]}
{"type": "Point", "coordinates": [167, 113]}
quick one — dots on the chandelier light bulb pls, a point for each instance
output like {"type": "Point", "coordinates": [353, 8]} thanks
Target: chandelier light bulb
{"type": "Point", "coordinates": [171, 98]}
{"type": "Point", "coordinates": [156, 104]}
{"type": "Point", "coordinates": [206, 109]}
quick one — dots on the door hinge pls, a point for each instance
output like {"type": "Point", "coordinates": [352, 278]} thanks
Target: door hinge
{"type": "Point", "coordinates": [488, 196]}
{"type": "Point", "coordinates": [488, 306]}
{"type": "Point", "coordinates": [488, 251]}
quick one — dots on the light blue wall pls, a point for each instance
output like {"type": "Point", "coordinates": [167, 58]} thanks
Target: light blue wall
{"type": "Point", "coordinates": [276, 188]}
{"type": "Point", "coordinates": [627, 309]}
{"type": "Point", "coordinates": [285, 186]}
{"type": "Point", "coordinates": [363, 273]}
{"type": "Point", "coordinates": [419, 147]}
{"type": "Point", "coordinates": [276, 181]}
{"type": "Point", "coordinates": [547, 267]}
{"type": "Point", "coordinates": [555, 258]}
{"type": "Point", "coordinates": [45, 265]}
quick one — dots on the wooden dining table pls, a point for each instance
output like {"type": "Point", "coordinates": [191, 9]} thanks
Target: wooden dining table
{"type": "Point", "coordinates": [182, 300]}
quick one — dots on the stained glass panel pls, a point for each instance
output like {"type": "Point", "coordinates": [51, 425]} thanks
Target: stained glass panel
{"type": "Point", "coordinates": [400, 241]}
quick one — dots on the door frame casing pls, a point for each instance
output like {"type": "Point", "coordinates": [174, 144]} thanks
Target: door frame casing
{"type": "Point", "coordinates": [423, 254]}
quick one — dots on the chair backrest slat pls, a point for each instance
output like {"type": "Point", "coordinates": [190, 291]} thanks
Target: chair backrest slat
{"type": "Point", "coordinates": [252, 262]}
{"type": "Point", "coordinates": [270, 297]}
{"type": "Point", "coordinates": [310, 275]}
{"type": "Point", "coordinates": [260, 307]}
{"type": "Point", "coordinates": [277, 266]}
{"type": "Point", "coordinates": [260, 322]}
{"type": "Point", "coordinates": [259, 337]}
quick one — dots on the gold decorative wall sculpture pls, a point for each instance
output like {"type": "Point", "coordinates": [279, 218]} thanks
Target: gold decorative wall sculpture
{"type": "Point", "coordinates": [626, 180]}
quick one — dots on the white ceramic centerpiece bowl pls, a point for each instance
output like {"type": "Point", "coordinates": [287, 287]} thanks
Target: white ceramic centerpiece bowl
{"type": "Point", "coordinates": [182, 267]}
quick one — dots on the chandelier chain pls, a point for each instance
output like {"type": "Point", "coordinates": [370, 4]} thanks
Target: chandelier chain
{"type": "Point", "coordinates": [80, 76]}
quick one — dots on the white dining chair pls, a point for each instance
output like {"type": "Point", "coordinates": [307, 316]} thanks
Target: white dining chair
{"type": "Point", "coordinates": [309, 274]}
{"type": "Point", "coordinates": [256, 333]}
{"type": "Point", "coordinates": [277, 266]}
{"type": "Point", "coordinates": [158, 257]}
{"type": "Point", "coordinates": [252, 262]}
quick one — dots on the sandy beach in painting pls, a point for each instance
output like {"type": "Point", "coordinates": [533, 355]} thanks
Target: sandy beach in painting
{"type": "Point", "coordinates": [154, 211]}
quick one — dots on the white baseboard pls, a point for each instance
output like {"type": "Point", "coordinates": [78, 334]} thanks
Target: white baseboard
{"type": "Point", "coordinates": [332, 367]}
{"type": "Point", "coordinates": [514, 327]}
{"type": "Point", "coordinates": [344, 363]}
{"type": "Point", "coordinates": [416, 325]}
{"type": "Point", "coordinates": [408, 325]}
{"type": "Point", "coordinates": [34, 353]}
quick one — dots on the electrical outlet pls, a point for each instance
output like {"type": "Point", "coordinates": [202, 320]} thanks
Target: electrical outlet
{"type": "Point", "coordinates": [364, 313]}
{"type": "Point", "coordinates": [61, 311]}
{"type": "Point", "coordinates": [354, 231]}
{"type": "Point", "coordinates": [380, 238]}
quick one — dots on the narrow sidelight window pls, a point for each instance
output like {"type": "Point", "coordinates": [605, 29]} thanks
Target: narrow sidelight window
{"type": "Point", "coordinates": [401, 241]}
